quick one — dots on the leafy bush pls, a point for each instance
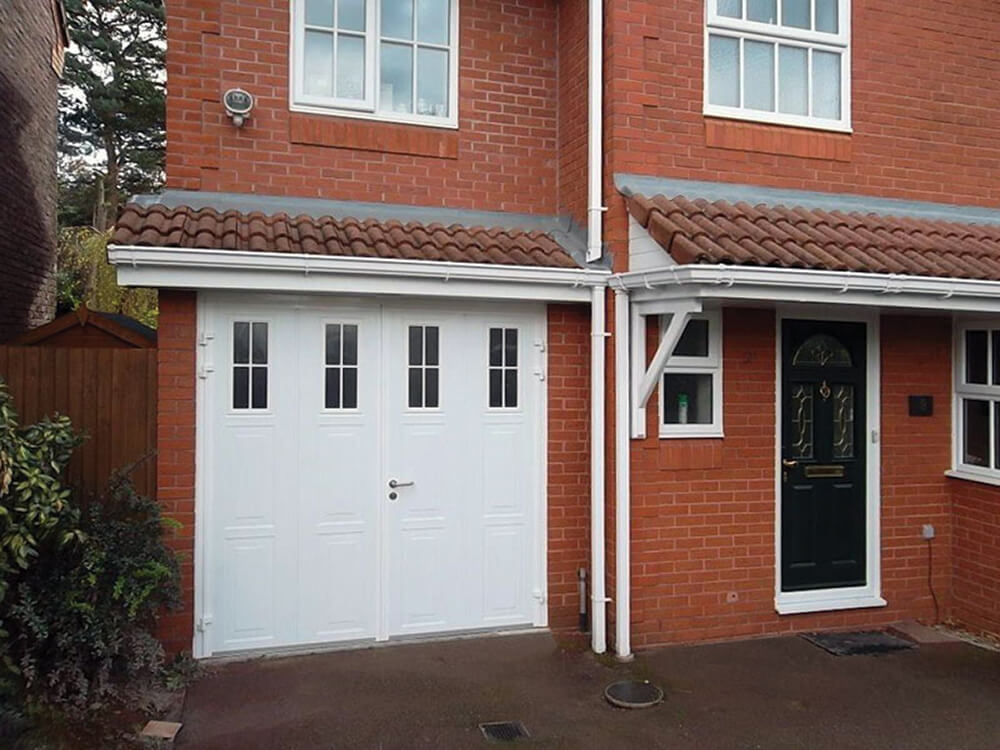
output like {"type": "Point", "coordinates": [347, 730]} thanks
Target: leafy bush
{"type": "Point", "coordinates": [83, 586]}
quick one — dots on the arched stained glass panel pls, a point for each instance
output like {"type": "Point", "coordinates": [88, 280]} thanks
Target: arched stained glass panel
{"type": "Point", "coordinates": [821, 350]}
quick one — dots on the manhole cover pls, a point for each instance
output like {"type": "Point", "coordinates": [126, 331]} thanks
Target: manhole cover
{"type": "Point", "coordinates": [633, 694]}
{"type": "Point", "coordinates": [503, 731]}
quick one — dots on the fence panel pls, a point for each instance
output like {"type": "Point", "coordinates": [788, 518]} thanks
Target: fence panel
{"type": "Point", "coordinates": [109, 394]}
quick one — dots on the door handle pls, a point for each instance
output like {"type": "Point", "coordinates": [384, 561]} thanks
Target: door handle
{"type": "Point", "coordinates": [789, 463]}
{"type": "Point", "coordinates": [395, 483]}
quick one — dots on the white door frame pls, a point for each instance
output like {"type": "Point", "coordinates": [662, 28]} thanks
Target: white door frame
{"type": "Point", "coordinates": [855, 597]}
{"type": "Point", "coordinates": [204, 410]}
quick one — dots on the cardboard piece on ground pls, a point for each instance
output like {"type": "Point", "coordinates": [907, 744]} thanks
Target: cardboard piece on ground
{"type": "Point", "coordinates": [161, 730]}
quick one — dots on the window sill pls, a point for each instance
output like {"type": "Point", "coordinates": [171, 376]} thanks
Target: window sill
{"type": "Point", "coordinates": [972, 476]}
{"type": "Point", "coordinates": [784, 140]}
{"type": "Point", "coordinates": [421, 121]}
{"type": "Point", "coordinates": [370, 135]}
{"type": "Point", "coordinates": [824, 601]}
{"type": "Point", "coordinates": [713, 434]}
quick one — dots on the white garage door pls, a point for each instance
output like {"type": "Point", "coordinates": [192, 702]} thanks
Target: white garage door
{"type": "Point", "coordinates": [368, 470]}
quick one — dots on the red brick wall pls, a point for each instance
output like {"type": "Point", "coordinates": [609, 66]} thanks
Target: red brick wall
{"type": "Point", "coordinates": [503, 156]}
{"type": "Point", "coordinates": [28, 193]}
{"type": "Point", "coordinates": [704, 509]}
{"type": "Point", "coordinates": [175, 462]}
{"type": "Point", "coordinates": [976, 554]}
{"type": "Point", "coordinates": [568, 459]}
{"type": "Point", "coordinates": [573, 66]}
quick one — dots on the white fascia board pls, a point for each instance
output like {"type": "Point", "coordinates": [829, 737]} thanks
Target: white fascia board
{"type": "Point", "coordinates": [793, 285]}
{"type": "Point", "coordinates": [286, 272]}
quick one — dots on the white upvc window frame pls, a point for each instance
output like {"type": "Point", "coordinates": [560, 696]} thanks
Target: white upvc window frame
{"type": "Point", "coordinates": [840, 43]}
{"type": "Point", "coordinates": [962, 391]}
{"type": "Point", "coordinates": [711, 364]}
{"type": "Point", "coordinates": [368, 108]}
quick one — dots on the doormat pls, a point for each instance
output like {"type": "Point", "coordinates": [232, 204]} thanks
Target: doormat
{"type": "Point", "coordinates": [861, 642]}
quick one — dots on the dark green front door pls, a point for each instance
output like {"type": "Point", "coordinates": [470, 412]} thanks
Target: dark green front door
{"type": "Point", "coordinates": [823, 499]}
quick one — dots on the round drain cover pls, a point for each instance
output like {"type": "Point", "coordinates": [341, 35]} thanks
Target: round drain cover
{"type": "Point", "coordinates": [633, 694]}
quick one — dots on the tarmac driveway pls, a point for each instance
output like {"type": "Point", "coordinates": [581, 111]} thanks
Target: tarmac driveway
{"type": "Point", "coordinates": [775, 693]}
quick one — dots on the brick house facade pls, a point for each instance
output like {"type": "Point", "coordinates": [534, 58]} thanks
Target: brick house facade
{"type": "Point", "coordinates": [703, 555]}
{"type": "Point", "coordinates": [30, 65]}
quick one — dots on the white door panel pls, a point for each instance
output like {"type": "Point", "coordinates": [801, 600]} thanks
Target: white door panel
{"type": "Point", "coordinates": [306, 542]}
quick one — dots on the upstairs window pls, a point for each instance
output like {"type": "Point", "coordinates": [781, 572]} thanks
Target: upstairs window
{"type": "Point", "coordinates": [391, 60]}
{"type": "Point", "coordinates": [779, 61]}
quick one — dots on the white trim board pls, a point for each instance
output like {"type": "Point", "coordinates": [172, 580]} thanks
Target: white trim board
{"type": "Point", "coordinates": [285, 272]}
{"type": "Point", "coordinates": [855, 597]}
{"type": "Point", "coordinates": [744, 284]}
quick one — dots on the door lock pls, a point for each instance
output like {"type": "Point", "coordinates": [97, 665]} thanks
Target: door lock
{"type": "Point", "coordinates": [393, 495]}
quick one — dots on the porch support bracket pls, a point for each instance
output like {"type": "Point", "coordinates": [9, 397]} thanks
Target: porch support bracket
{"type": "Point", "coordinates": [644, 380]}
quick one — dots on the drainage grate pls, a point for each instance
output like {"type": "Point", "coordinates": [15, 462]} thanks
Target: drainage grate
{"type": "Point", "coordinates": [862, 642]}
{"type": "Point", "coordinates": [504, 731]}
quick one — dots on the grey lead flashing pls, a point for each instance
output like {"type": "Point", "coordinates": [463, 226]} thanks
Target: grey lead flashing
{"type": "Point", "coordinates": [629, 184]}
{"type": "Point", "coordinates": [560, 228]}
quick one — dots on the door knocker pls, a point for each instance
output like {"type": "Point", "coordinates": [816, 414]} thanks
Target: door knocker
{"type": "Point", "coordinates": [824, 391]}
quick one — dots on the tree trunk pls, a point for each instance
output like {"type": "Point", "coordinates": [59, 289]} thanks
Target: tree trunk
{"type": "Point", "coordinates": [100, 215]}
{"type": "Point", "coordinates": [111, 148]}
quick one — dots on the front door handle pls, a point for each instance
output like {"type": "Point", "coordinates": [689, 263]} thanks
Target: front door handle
{"type": "Point", "coordinates": [789, 463]}
{"type": "Point", "coordinates": [395, 483]}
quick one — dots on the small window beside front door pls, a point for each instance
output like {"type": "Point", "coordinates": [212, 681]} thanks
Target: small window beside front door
{"type": "Point", "coordinates": [341, 387]}
{"type": "Point", "coordinates": [424, 367]}
{"type": "Point", "coordinates": [977, 398]}
{"type": "Point", "coordinates": [691, 386]}
{"type": "Point", "coordinates": [503, 368]}
{"type": "Point", "coordinates": [249, 365]}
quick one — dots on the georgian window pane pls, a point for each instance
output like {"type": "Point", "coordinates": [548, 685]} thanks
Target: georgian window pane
{"type": "Point", "coordinates": [793, 84]}
{"type": "Point", "coordinates": [333, 345]}
{"type": "Point", "coordinates": [975, 357]}
{"type": "Point", "coordinates": [724, 71]}
{"type": "Point", "coordinates": [351, 15]}
{"type": "Point", "coordinates": [241, 343]}
{"type": "Point", "coordinates": [976, 441]}
{"type": "Point", "coordinates": [416, 390]}
{"type": "Point", "coordinates": [510, 347]}
{"type": "Point", "coordinates": [432, 82]}
{"type": "Point", "coordinates": [397, 19]}
{"type": "Point", "coordinates": [995, 339]}
{"type": "Point", "coordinates": [350, 67]}
{"type": "Point", "coordinates": [795, 13]}
{"type": "Point", "coordinates": [730, 8]}
{"type": "Point", "coordinates": [333, 398]}
{"type": "Point", "coordinates": [764, 11]}
{"type": "Point", "coordinates": [433, 21]}
{"type": "Point", "coordinates": [396, 88]}
{"type": "Point", "coordinates": [431, 356]}
{"type": "Point", "coordinates": [260, 343]}
{"type": "Point", "coordinates": [826, 85]}
{"type": "Point", "coordinates": [350, 391]}
{"type": "Point", "coordinates": [827, 16]}
{"type": "Point", "coordinates": [350, 344]}
{"type": "Point", "coordinates": [758, 77]}
{"type": "Point", "coordinates": [318, 74]}
{"type": "Point", "coordinates": [687, 398]}
{"type": "Point", "coordinates": [694, 340]}
{"type": "Point", "coordinates": [319, 13]}
{"type": "Point", "coordinates": [241, 387]}
{"type": "Point", "coordinates": [496, 347]}
{"type": "Point", "coordinates": [431, 388]}
{"type": "Point", "coordinates": [259, 388]}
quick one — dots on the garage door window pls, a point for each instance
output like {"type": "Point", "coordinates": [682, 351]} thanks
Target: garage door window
{"type": "Point", "coordinates": [249, 365]}
{"type": "Point", "coordinates": [341, 366]}
{"type": "Point", "coordinates": [424, 367]}
{"type": "Point", "coordinates": [503, 368]}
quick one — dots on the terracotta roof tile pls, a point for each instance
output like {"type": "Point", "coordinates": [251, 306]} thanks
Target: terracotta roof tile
{"type": "Point", "coordinates": [184, 227]}
{"type": "Point", "coordinates": [696, 231]}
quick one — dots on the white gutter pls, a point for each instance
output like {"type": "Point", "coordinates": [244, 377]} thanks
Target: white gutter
{"type": "Point", "coordinates": [595, 130]}
{"type": "Point", "coordinates": [230, 269]}
{"type": "Point", "coordinates": [757, 283]}
{"type": "Point", "coordinates": [623, 475]}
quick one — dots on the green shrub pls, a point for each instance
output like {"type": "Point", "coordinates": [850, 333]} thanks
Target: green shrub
{"type": "Point", "coordinates": [83, 586]}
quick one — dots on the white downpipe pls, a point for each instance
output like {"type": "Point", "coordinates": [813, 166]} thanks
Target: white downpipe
{"type": "Point", "coordinates": [595, 131]}
{"type": "Point", "coordinates": [623, 475]}
{"type": "Point", "coordinates": [598, 598]}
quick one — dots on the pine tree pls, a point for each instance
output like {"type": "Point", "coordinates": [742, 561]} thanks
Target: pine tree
{"type": "Point", "coordinates": [111, 129]}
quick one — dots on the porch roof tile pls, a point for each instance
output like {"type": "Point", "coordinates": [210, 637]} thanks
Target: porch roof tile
{"type": "Point", "coordinates": [181, 226]}
{"type": "Point", "coordinates": [719, 232]}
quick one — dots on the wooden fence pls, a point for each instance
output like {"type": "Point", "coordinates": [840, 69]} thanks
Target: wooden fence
{"type": "Point", "coordinates": [109, 394]}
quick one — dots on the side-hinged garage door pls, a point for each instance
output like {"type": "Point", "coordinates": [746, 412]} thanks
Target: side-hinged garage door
{"type": "Point", "coordinates": [368, 471]}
